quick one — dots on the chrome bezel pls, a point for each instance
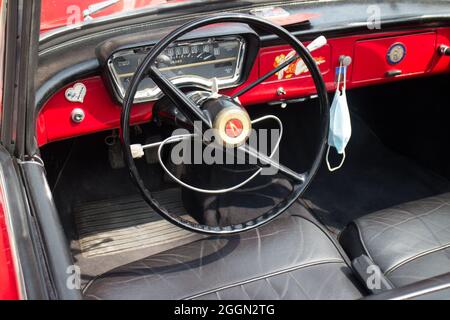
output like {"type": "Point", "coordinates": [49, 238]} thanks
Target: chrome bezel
{"type": "Point", "coordinates": [153, 94]}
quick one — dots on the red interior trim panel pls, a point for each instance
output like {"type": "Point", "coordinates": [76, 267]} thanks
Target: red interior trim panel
{"type": "Point", "coordinates": [376, 59]}
{"type": "Point", "coordinates": [101, 110]}
{"type": "Point", "coordinates": [8, 281]}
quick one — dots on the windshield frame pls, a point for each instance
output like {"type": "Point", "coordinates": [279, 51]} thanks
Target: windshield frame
{"type": "Point", "coordinates": [161, 9]}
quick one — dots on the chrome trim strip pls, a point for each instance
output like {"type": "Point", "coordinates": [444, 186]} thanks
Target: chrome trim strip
{"type": "Point", "coordinates": [423, 292]}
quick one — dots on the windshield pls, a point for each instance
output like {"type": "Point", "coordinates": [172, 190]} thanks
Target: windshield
{"type": "Point", "coordinates": [65, 13]}
{"type": "Point", "coordinates": [60, 13]}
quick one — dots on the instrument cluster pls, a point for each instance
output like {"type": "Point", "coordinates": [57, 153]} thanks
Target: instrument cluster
{"type": "Point", "coordinates": [185, 63]}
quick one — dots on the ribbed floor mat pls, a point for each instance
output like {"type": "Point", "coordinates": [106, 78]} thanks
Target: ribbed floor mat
{"type": "Point", "coordinates": [123, 224]}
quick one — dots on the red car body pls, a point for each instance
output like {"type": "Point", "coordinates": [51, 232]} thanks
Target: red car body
{"type": "Point", "coordinates": [57, 13]}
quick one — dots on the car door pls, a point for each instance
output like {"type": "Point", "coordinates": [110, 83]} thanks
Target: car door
{"type": "Point", "coordinates": [21, 272]}
{"type": "Point", "coordinates": [27, 271]}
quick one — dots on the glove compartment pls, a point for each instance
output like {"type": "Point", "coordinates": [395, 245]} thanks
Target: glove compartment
{"type": "Point", "coordinates": [392, 57]}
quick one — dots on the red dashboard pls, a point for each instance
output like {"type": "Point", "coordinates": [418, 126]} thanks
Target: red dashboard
{"type": "Point", "coordinates": [370, 65]}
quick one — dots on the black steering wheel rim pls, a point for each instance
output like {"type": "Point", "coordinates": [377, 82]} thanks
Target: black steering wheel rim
{"type": "Point", "coordinates": [142, 72]}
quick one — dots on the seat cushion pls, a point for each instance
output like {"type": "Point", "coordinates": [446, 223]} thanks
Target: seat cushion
{"type": "Point", "coordinates": [409, 242]}
{"type": "Point", "coordinates": [290, 258]}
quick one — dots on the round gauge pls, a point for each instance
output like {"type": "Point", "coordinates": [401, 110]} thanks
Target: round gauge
{"type": "Point", "coordinates": [396, 53]}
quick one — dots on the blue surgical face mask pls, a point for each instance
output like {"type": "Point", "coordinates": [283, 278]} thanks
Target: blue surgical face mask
{"type": "Point", "coordinates": [340, 122]}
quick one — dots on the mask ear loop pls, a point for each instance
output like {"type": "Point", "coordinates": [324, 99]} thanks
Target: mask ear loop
{"type": "Point", "coordinates": [344, 155]}
{"type": "Point", "coordinates": [344, 87]}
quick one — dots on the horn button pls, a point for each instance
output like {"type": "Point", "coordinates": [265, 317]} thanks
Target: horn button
{"type": "Point", "coordinates": [231, 122]}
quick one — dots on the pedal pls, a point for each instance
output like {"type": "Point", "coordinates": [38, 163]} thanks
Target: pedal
{"type": "Point", "coordinates": [151, 155]}
{"type": "Point", "coordinates": [115, 153]}
{"type": "Point", "coordinates": [176, 170]}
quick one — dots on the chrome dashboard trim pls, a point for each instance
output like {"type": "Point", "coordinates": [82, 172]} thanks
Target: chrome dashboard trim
{"type": "Point", "coordinates": [182, 81]}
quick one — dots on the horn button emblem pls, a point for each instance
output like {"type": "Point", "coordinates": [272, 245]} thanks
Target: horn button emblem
{"type": "Point", "coordinates": [234, 128]}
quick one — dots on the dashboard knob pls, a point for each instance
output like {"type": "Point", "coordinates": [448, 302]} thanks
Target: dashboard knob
{"type": "Point", "coordinates": [78, 115]}
{"type": "Point", "coordinates": [444, 50]}
{"type": "Point", "coordinates": [345, 60]}
{"type": "Point", "coordinates": [281, 92]}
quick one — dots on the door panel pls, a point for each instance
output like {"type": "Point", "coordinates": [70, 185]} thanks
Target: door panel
{"type": "Point", "coordinates": [22, 267]}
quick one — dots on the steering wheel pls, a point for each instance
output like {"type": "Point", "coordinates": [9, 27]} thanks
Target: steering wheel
{"type": "Point", "coordinates": [218, 112]}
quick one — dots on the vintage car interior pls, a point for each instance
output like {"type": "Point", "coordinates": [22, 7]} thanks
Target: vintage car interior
{"type": "Point", "coordinates": [110, 95]}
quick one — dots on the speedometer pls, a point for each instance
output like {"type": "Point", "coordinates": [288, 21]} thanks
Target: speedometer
{"type": "Point", "coordinates": [190, 63]}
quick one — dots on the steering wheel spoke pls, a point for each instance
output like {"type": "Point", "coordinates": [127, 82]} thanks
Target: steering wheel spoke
{"type": "Point", "coordinates": [264, 161]}
{"type": "Point", "coordinates": [290, 58]}
{"type": "Point", "coordinates": [186, 106]}
{"type": "Point", "coordinates": [265, 77]}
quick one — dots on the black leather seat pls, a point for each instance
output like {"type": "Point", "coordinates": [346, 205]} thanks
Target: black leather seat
{"type": "Point", "coordinates": [409, 242]}
{"type": "Point", "coordinates": [290, 258]}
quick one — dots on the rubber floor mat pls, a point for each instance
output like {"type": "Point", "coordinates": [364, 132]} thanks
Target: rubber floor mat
{"type": "Point", "coordinates": [123, 224]}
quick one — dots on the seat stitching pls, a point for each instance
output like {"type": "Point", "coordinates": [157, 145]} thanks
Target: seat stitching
{"type": "Point", "coordinates": [417, 256]}
{"type": "Point", "coordinates": [361, 239]}
{"type": "Point", "coordinates": [272, 274]}
{"type": "Point", "coordinates": [413, 234]}
{"type": "Point", "coordinates": [245, 291]}
{"type": "Point", "coordinates": [339, 251]}
{"type": "Point", "coordinates": [375, 217]}
{"type": "Point", "coordinates": [338, 248]}
{"type": "Point", "coordinates": [428, 226]}
{"type": "Point", "coordinates": [409, 219]}
{"type": "Point", "coordinates": [395, 226]}
{"type": "Point", "coordinates": [271, 287]}
{"type": "Point", "coordinates": [300, 286]}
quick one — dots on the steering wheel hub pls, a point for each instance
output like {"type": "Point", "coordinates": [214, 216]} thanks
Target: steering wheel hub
{"type": "Point", "coordinates": [231, 123]}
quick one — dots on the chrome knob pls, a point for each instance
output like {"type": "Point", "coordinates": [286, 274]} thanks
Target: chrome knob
{"type": "Point", "coordinates": [444, 50]}
{"type": "Point", "coordinates": [281, 91]}
{"type": "Point", "coordinates": [78, 115]}
{"type": "Point", "coordinates": [345, 60]}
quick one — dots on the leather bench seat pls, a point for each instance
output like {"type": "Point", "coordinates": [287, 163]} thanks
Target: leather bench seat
{"type": "Point", "coordinates": [290, 258]}
{"type": "Point", "coordinates": [409, 242]}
